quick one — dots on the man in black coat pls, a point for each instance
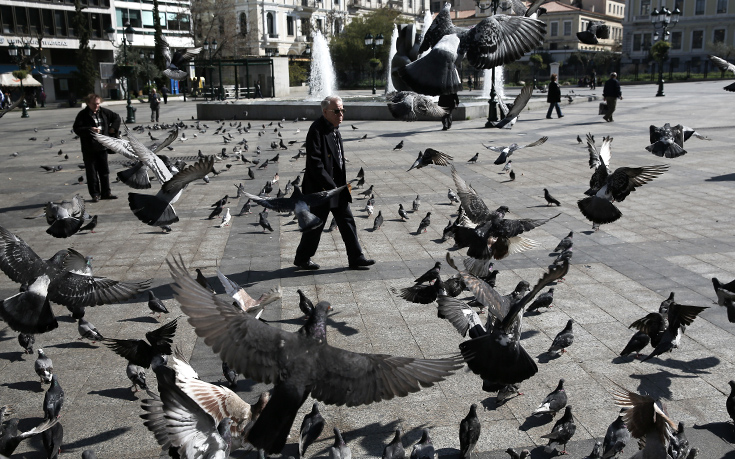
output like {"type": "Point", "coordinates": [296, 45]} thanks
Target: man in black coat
{"type": "Point", "coordinates": [94, 118]}
{"type": "Point", "coordinates": [325, 170]}
{"type": "Point", "coordinates": [554, 97]}
{"type": "Point", "coordinates": [611, 92]}
{"type": "Point", "coordinates": [448, 102]}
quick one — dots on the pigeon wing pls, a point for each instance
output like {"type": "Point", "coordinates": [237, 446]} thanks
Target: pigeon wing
{"type": "Point", "coordinates": [162, 44]}
{"type": "Point", "coordinates": [76, 262]}
{"type": "Point", "coordinates": [518, 105]}
{"type": "Point", "coordinates": [149, 158]}
{"type": "Point", "coordinates": [13, 105]}
{"type": "Point", "coordinates": [652, 324]}
{"type": "Point", "coordinates": [422, 294]}
{"type": "Point", "coordinates": [626, 179]}
{"type": "Point", "coordinates": [540, 141]}
{"type": "Point", "coordinates": [189, 174]}
{"type": "Point", "coordinates": [456, 313]}
{"type": "Point", "coordinates": [473, 205]}
{"type": "Point", "coordinates": [501, 39]}
{"type": "Point", "coordinates": [680, 314]}
{"type": "Point", "coordinates": [163, 337]}
{"type": "Point", "coordinates": [18, 261]}
{"type": "Point", "coordinates": [435, 73]}
{"type": "Point", "coordinates": [440, 26]}
{"type": "Point", "coordinates": [75, 290]}
{"type": "Point", "coordinates": [120, 146]}
{"type": "Point", "coordinates": [437, 157]}
{"type": "Point", "coordinates": [643, 414]}
{"type": "Point", "coordinates": [173, 135]}
{"type": "Point", "coordinates": [722, 64]}
{"type": "Point", "coordinates": [238, 293]}
{"type": "Point", "coordinates": [135, 351]}
{"type": "Point", "coordinates": [509, 228]}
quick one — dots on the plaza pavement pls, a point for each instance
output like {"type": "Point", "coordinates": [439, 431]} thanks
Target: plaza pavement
{"type": "Point", "coordinates": [675, 234]}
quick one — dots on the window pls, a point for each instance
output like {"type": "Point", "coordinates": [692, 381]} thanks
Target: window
{"type": "Point", "coordinates": [34, 18]}
{"type": "Point", "coordinates": [718, 36]}
{"type": "Point", "coordinates": [134, 18]}
{"type": "Point", "coordinates": [410, 4]}
{"type": "Point", "coordinates": [721, 6]}
{"type": "Point", "coordinates": [7, 18]}
{"type": "Point", "coordinates": [637, 42]}
{"type": "Point", "coordinates": [289, 26]}
{"type": "Point", "coordinates": [21, 19]}
{"type": "Point", "coordinates": [645, 8]}
{"type": "Point", "coordinates": [60, 22]}
{"type": "Point", "coordinates": [338, 26]}
{"type": "Point", "coordinates": [48, 22]}
{"type": "Point", "coordinates": [172, 21]}
{"type": "Point", "coordinates": [567, 28]}
{"type": "Point", "coordinates": [147, 19]}
{"type": "Point", "coordinates": [319, 25]}
{"type": "Point", "coordinates": [646, 41]}
{"type": "Point", "coordinates": [243, 24]}
{"type": "Point", "coordinates": [184, 23]}
{"type": "Point", "coordinates": [697, 39]}
{"type": "Point", "coordinates": [699, 6]}
{"type": "Point", "coordinates": [555, 29]}
{"type": "Point", "coordinates": [270, 24]}
{"type": "Point", "coordinates": [675, 40]}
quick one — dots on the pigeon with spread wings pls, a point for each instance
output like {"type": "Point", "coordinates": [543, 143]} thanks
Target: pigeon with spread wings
{"type": "Point", "coordinates": [725, 66]}
{"type": "Point", "coordinates": [177, 62]}
{"type": "Point", "coordinates": [140, 353]}
{"type": "Point", "coordinates": [506, 152]}
{"type": "Point", "coordinates": [519, 103]}
{"type": "Point", "coordinates": [158, 210]}
{"type": "Point", "coordinates": [299, 364]}
{"type": "Point", "coordinates": [647, 420]}
{"type": "Point", "coordinates": [409, 105]}
{"type": "Point", "coordinates": [669, 140]}
{"type": "Point", "coordinates": [431, 156]}
{"type": "Point", "coordinates": [65, 218]}
{"type": "Point", "coordinates": [595, 30]}
{"type": "Point", "coordinates": [245, 301]}
{"type": "Point", "coordinates": [679, 317]}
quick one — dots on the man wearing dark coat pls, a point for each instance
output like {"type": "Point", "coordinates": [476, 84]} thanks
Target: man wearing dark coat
{"type": "Point", "coordinates": [94, 118]}
{"type": "Point", "coordinates": [325, 170]}
{"type": "Point", "coordinates": [448, 102]}
{"type": "Point", "coordinates": [611, 92]}
{"type": "Point", "coordinates": [554, 97]}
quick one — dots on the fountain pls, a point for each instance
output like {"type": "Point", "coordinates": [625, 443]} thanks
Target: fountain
{"type": "Point", "coordinates": [393, 39]}
{"type": "Point", "coordinates": [322, 80]}
{"type": "Point", "coordinates": [499, 83]}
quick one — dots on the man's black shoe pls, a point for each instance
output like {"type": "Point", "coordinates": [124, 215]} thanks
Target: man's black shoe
{"type": "Point", "coordinates": [95, 199]}
{"type": "Point", "coordinates": [307, 265]}
{"type": "Point", "coordinates": [361, 263]}
{"type": "Point", "coordinates": [111, 196]}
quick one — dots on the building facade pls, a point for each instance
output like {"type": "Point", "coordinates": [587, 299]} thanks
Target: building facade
{"type": "Point", "coordinates": [704, 27]}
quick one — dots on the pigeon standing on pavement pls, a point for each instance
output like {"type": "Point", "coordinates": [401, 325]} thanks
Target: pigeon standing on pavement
{"type": "Point", "coordinates": [542, 301]}
{"type": "Point", "coordinates": [453, 198]}
{"type": "Point", "coordinates": [566, 243]}
{"type": "Point", "coordinates": [469, 433]}
{"type": "Point", "coordinates": [88, 331]}
{"type": "Point", "coordinates": [52, 440]}
{"type": "Point", "coordinates": [562, 432]}
{"type": "Point", "coordinates": [225, 219]}
{"type": "Point", "coordinates": [553, 402]}
{"type": "Point", "coordinates": [616, 437]}
{"type": "Point", "coordinates": [402, 213]}
{"type": "Point", "coordinates": [136, 375]}
{"type": "Point", "coordinates": [563, 340]}
{"type": "Point", "coordinates": [416, 204]}
{"type": "Point", "coordinates": [378, 222]}
{"type": "Point", "coordinates": [425, 222]}
{"type": "Point", "coordinates": [394, 449]}
{"type": "Point", "coordinates": [424, 449]}
{"type": "Point", "coordinates": [474, 159]}
{"type": "Point", "coordinates": [399, 146]}
{"type": "Point", "coordinates": [311, 427]}
{"type": "Point", "coordinates": [550, 200]}
{"type": "Point", "coordinates": [53, 400]}
{"type": "Point", "coordinates": [339, 449]}
{"type": "Point", "coordinates": [156, 305]}
{"type": "Point", "coordinates": [636, 344]}
{"type": "Point", "coordinates": [90, 226]}
{"type": "Point", "coordinates": [44, 367]}
{"type": "Point", "coordinates": [263, 222]}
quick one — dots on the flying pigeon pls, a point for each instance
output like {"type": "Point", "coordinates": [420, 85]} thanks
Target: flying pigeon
{"type": "Point", "coordinates": [176, 63]}
{"type": "Point", "coordinates": [434, 73]}
{"type": "Point", "coordinates": [311, 428]}
{"type": "Point", "coordinates": [519, 103]}
{"type": "Point", "coordinates": [595, 30]}
{"type": "Point", "coordinates": [553, 402]}
{"type": "Point", "coordinates": [409, 105]}
{"type": "Point", "coordinates": [353, 379]}
{"type": "Point", "coordinates": [506, 152]}
{"type": "Point", "coordinates": [65, 218]}
{"type": "Point", "coordinates": [679, 317]}
{"type": "Point", "coordinates": [431, 156]}
{"type": "Point", "coordinates": [142, 353]}
{"type": "Point", "coordinates": [669, 141]}
{"type": "Point", "coordinates": [244, 301]}
{"type": "Point", "coordinates": [11, 436]}
{"type": "Point", "coordinates": [422, 294]}
{"type": "Point", "coordinates": [646, 420]}
{"type": "Point", "coordinates": [720, 63]}
{"type": "Point", "coordinates": [137, 175]}
{"type": "Point", "coordinates": [562, 432]}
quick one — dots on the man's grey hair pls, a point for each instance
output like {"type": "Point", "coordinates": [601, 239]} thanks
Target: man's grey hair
{"type": "Point", "coordinates": [328, 100]}
{"type": "Point", "coordinates": [614, 75]}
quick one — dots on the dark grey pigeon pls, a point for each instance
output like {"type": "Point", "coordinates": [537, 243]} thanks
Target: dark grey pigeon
{"type": "Point", "coordinates": [564, 256]}
{"type": "Point", "coordinates": [156, 305]}
{"type": "Point", "coordinates": [136, 375]}
{"type": "Point", "coordinates": [679, 317]}
{"type": "Point", "coordinates": [550, 200]}
{"type": "Point", "coordinates": [730, 402]}
{"type": "Point", "coordinates": [44, 367]}
{"type": "Point", "coordinates": [617, 434]}
{"type": "Point", "coordinates": [409, 105]}
{"type": "Point", "coordinates": [679, 444]}
{"type": "Point", "coordinates": [636, 344]}
{"type": "Point", "coordinates": [305, 304]}
{"type": "Point", "coordinates": [26, 341]}
{"type": "Point", "coordinates": [399, 146]}
{"type": "Point", "coordinates": [544, 300]}
{"type": "Point", "coordinates": [469, 433]}
{"type": "Point", "coordinates": [553, 402]}
{"type": "Point", "coordinates": [263, 222]}
{"type": "Point", "coordinates": [339, 449]}
{"type": "Point", "coordinates": [53, 400]}
{"type": "Point", "coordinates": [597, 449]}
{"type": "Point", "coordinates": [425, 222]}
{"type": "Point", "coordinates": [566, 243]}
{"type": "Point", "coordinates": [65, 218]}
{"type": "Point", "coordinates": [230, 375]}
{"type": "Point", "coordinates": [402, 212]}
{"type": "Point", "coordinates": [506, 393]}
{"type": "Point", "coordinates": [431, 156]}
{"type": "Point", "coordinates": [424, 449]}
{"type": "Point", "coordinates": [563, 340]}
{"type": "Point", "coordinates": [140, 352]}
{"type": "Point", "coordinates": [378, 222]}
{"type": "Point", "coordinates": [331, 375]}
{"type": "Point", "coordinates": [10, 436]}
{"type": "Point", "coordinates": [417, 202]}
{"type": "Point", "coordinates": [422, 294]}
{"type": "Point", "coordinates": [300, 204]}
{"type": "Point", "coordinates": [430, 275]}
{"type": "Point", "coordinates": [595, 30]}
{"type": "Point", "coordinates": [562, 432]}
{"type": "Point", "coordinates": [311, 428]}
{"type": "Point", "coordinates": [726, 297]}
{"type": "Point", "coordinates": [394, 449]}
{"type": "Point", "coordinates": [519, 103]}
{"type": "Point", "coordinates": [202, 280]}
{"type": "Point", "coordinates": [52, 440]}
{"type": "Point", "coordinates": [88, 331]}
{"type": "Point", "coordinates": [474, 159]}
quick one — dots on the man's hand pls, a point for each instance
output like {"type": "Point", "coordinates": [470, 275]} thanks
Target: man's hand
{"type": "Point", "coordinates": [95, 129]}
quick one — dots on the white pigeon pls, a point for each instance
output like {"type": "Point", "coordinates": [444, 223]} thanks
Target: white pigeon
{"type": "Point", "coordinates": [225, 218]}
{"type": "Point", "coordinates": [245, 301]}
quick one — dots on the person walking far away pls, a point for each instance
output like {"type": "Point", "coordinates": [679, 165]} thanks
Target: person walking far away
{"type": "Point", "coordinates": [258, 92]}
{"type": "Point", "coordinates": [94, 118]}
{"type": "Point", "coordinates": [593, 83]}
{"type": "Point", "coordinates": [164, 93]}
{"type": "Point", "coordinates": [448, 102]}
{"type": "Point", "coordinates": [325, 170]}
{"type": "Point", "coordinates": [611, 92]}
{"type": "Point", "coordinates": [469, 82]}
{"type": "Point", "coordinates": [554, 97]}
{"type": "Point", "coordinates": [155, 102]}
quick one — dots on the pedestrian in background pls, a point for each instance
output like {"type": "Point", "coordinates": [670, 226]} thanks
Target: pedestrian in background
{"type": "Point", "coordinates": [593, 83]}
{"type": "Point", "coordinates": [164, 93]}
{"type": "Point", "coordinates": [154, 100]}
{"type": "Point", "coordinates": [96, 119]}
{"type": "Point", "coordinates": [469, 82]}
{"type": "Point", "coordinates": [554, 97]}
{"type": "Point", "coordinates": [258, 91]}
{"type": "Point", "coordinates": [448, 102]}
{"type": "Point", "coordinates": [611, 92]}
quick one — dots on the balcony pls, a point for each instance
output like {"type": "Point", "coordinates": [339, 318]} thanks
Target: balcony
{"type": "Point", "coordinates": [311, 5]}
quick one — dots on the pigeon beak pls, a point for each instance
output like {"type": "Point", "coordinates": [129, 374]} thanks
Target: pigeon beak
{"type": "Point", "coordinates": [329, 308]}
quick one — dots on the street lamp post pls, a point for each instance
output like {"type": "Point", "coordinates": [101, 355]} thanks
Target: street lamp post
{"type": "Point", "coordinates": [663, 20]}
{"type": "Point", "coordinates": [209, 48]}
{"type": "Point", "coordinates": [377, 41]}
{"type": "Point", "coordinates": [20, 59]}
{"type": "Point", "coordinates": [127, 40]}
{"type": "Point", "coordinates": [492, 115]}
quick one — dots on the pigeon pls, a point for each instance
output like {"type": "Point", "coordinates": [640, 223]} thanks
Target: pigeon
{"type": "Point", "coordinates": [394, 449]}
{"type": "Point", "coordinates": [596, 451]}
{"type": "Point", "coordinates": [44, 367]}
{"type": "Point", "coordinates": [506, 152]}
{"type": "Point", "coordinates": [137, 175]}
{"type": "Point", "coordinates": [399, 146]}
{"type": "Point", "coordinates": [424, 449]}
{"type": "Point", "coordinates": [52, 439]}
{"type": "Point", "coordinates": [566, 243]}
{"type": "Point", "coordinates": [300, 204]}
{"type": "Point", "coordinates": [434, 73]}
{"type": "Point", "coordinates": [453, 198]}
{"type": "Point", "coordinates": [202, 280]}
{"type": "Point", "coordinates": [354, 127]}
{"type": "Point", "coordinates": [473, 160]}
{"type": "Point", "coordinates": [370, 377]}
{"type": "Point", "coordinates": [367, 192]}
{"type": "Point", "coordinates": [562, 432]}
{"type": "Point", "coordinates": [563, 340]}
{"type": "Point", "coordinates": [13, 105]}
{"type": "Point", "coordinates": [402, 212]}
{"type": "Point", "coordinates": [10, 437]}
{"type": "Point", "coordinates": [416, 203]}
{"type": "Point", "coordinates": [54, 399]}
{"type": "Point", "coordinates": [176, 65]}
{"type": "Point", "coordinates": [543, 301]}
{"type": "Point", "coordinates": [508, 166]}
{"type": "Point", "coordinates": [142, 353]}
{"type": "Point", "coordinates": [158, 210]}
{"type": "Point", "coordinates": [679, 317]}
{"type": "Point", "coordinates": [230, 375]}
{"type": "Point", "coordinates": [136, 375]}
{"type": "Point", "coordinates": [430, 275]}
{"type": "Point", "coordinates": [523, 454]}
{"type": "Point", "coordinates": [595, 30]}
{"type": "Point", "coordinates": [636, 344]}
{"type": "Point", "coordinates": [512, 175]}
{"type": "Point", "coordinates": [90, 226]}
{"type": "Point", "coordinates": [156, 305]}
{"type": "Point", "coordinates": [26, 341]}
{"type": "Point", "coordinates": [669, 141]}
{"type": "Point", "coordinates": [409, 106]}
{"type": "Point", "coordinates": [431, 156]}
{"type": "Point", "coordinates": [339, 450]}
{"type": "Point", "coordinates": [605, 188]}
{"type": "Point", "coordinates": [52, 168]}
{"type": "Point", "coordinates": [264, 223]}
{"type": "Point", "coordinates": [646, 420]}
{"type": "Point", "coordinates": [507, 392]}
{"type": "Point", "coordinates": [251, 174]}
{"type": "Point", "coordinates": [553, 402]}
{"type": "Point", "coordinates": [720, 63]}
{"type": "Point", "coordinates": [616, 437]}
{"type": "Point", "coordinates": [519, 104]}
{"type": "Point", "coordinates": [469, 433]}
{"type": "Point", "coordinates": [725, 296]}
{"type": "Point", "coordinates": [565, 255]}
{"type": "Point", "coordinates": [65, 218]}
{"type": "Point", "coordinates": [246, 208]}
{"type": "Point", "coordinates": [332, 226]}
{"type": "Point", "coordinates": [550, 199]}
{"type": "Point", "coordinates": [88, 331]}
{"type": "Point", "coordinates": [311, 428]}
{"type": "Point", "coordinates": [243, 300]}
{"type": "Point", "coordinates": [425, 222]}
{"type": "Point", "coordinates": [225, 219]}
{"type": "Point", "coordinates": [378, 222]}
{"type": "Point", "coordinates": [579, 139]}
{"type": "Point", "coordinates": [730, 402]}
{"type": "Point", "coordinates": [422, 294]}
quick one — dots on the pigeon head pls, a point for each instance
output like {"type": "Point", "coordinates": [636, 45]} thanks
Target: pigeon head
{"type": "Point", "coordinates": [41, 353]}
{"type": "Point", "coordinates": [502, 210]}
{"type": "Point", "coordinates": [224, 430]}
{"type": "Point", "coordinates": [560, 386]}
{"type": "Point", "coordinates": [522, 286]}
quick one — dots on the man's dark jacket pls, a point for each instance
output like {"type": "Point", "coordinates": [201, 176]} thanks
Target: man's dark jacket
{"type": "Point", "coordinates": [612, 88]}
{"type": "Point", "coordinates": [85, 122]}
{"type": "Point", "coordinates": [322, 169]}
{"type": "Point", "coordinates": [554, 95]}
